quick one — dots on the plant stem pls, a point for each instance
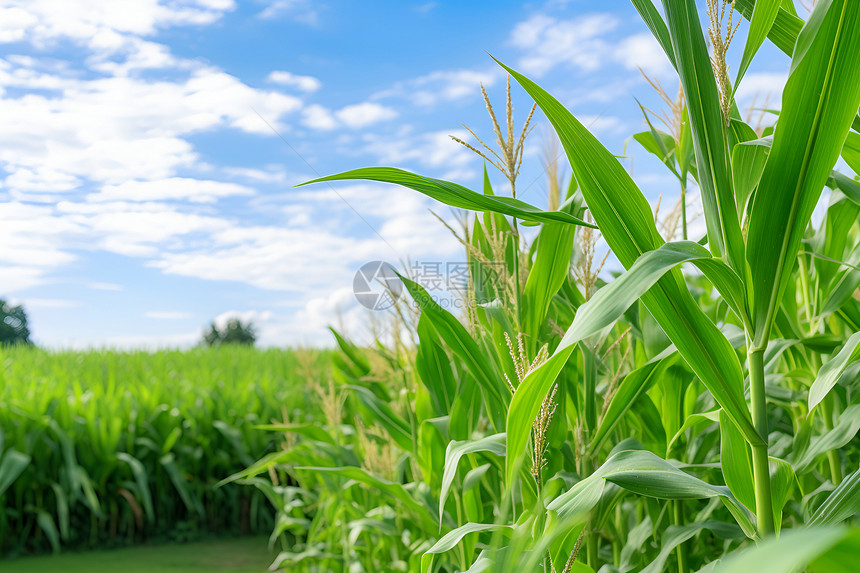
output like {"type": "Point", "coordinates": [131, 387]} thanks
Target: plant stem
{"type": "Point", "coordinates": [761, 470]}
{"type": "Point", "coordinates": [591, 547]}
{"type": "Point", "coordinates": [684, 207]}
{"type": "Point", "coordinates": [832, 456]}
{"type": "Point", "coordinates": [680, 550]}
{"type": "Point", "coordinates": [517, 301]}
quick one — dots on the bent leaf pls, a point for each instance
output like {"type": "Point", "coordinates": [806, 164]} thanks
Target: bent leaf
{"type": "Point", "coordinates": [454, 195]}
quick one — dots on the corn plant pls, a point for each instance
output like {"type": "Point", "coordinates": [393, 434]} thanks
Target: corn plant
{"type": "Point", "coordinates": [665, 419]}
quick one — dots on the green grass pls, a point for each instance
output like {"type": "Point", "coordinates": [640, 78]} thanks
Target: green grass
{"type": "Point", "coordinates": [244, 555]}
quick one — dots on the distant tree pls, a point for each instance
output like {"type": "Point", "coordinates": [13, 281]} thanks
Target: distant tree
{"type": "Point", "coordinates": [13, 325]}
{"type": "Point", "coordinates": [234, 332]}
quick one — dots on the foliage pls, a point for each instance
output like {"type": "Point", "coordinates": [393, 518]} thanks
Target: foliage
{"type": "Point", "coordinates": [233, 332]}
{"type": "Point", "coordinates": [669, 419]}
{"type": "Point", "coordinates": [106, 448]}
{"type": "Point", "coordinates": [13, 325]}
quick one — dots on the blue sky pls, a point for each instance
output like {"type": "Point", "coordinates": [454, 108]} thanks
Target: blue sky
{"type": "Point", "coordinates": [144, 191]}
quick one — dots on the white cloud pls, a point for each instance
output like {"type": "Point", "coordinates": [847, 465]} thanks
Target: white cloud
{"type": "Point", "coordinates": [434, 149]}
{"type": "Point", "coordinates": [443, 86]}
{"type": "Point", "coordinates": [182, 188]}
{"type": "Point", "coordinates": [324, 243]}
{"type": "Point", "coordinates": [548, 42]}
{"type": "Point", "coordinates": [303, 11]}
{"type": "Point", "coordinates": [305, 83]}
{"type": "Point", "coordinates": [16, 278]}
{"type": "Point", "coordinates": [642, 51]}
{"type": "Point", "coordinates": [354, 116]}
{"type": "Point", "coordinates": [120, 128]}
{"type": "Point", "coordinates": [364, 114]}
{"type": "Point", "coordinates": [167, 314]}
{"type": "Point", "coordinates": [32, 243]}
{"type": "Point", "coordinates": [602, 124]}
{"type": "Point", "coordinates": [763, 86]}
{"type": "Point", "coordinates": [271, 173]}
{"type": "Point", "coordinates": [136, 229]}
{"type": "Point", "coordinates": [318, 117]}
{"type": "Point", "coordinates": [87, 21]}
{"type": "Point", "coordinates": [586, 42]}
{"type": "Point", "coordinates": [41, 178]}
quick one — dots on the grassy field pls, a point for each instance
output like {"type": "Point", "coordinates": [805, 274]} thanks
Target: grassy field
{"type": "Point", "coordinates": [246, 555]}
{"type": "Point", "coordinates": [110, 448]}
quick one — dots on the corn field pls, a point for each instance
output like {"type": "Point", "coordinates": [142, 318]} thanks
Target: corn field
{"type": "Point", "coordinates": [110, 448]}
{"type": "Point", "coordinates": [697, 412]}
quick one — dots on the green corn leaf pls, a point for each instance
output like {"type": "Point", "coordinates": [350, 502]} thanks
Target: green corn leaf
{"type": "Point", "coordinates": [634, 385]}
{"type": "Point", "coordinates": [851, 151]}
{"type": "Point", "coordinates": [192, 503]}
{"type": "Point", "coordinates": [736, 463]}
{"type": "Point", "coordinates": [748, 161]}
{"type": "Point", "coordinates": [678, 534]}
{"type": "Point", "coordinates": [842, 503]}
{"type": "Point", "coordinates": [693, 421]}
{"type": "Point", "coordinates": [627, 225]}
{"type": "Point", "coordinates": [548, 273]}
{"type": "Point", "coordinates": [455, 195]}
{"type": "Point", "coordinates": [848, 186]}
{"type": "Point", "coordinates": [62, 509]}
{"type": "Point", "coordinates": [644, 473]}
{"type": "Point", "coordinates": [605, 307]}
{"type": "Point", "coordinates": [310, 431]}
{"type": "Point", "coordinates": [710, 139]}
{"type": "Point", "coordinates": [47, 525]}
{"type": "Point", "coordinates": [782, 480]}
{"type": "Point", "coordinates": [814, 549]}
{"type": "Point", "coordinates": [843, 432]}
{"type": "Point", "coordinates": [610, 302]}
{"type": "Point", "coordinates": [464, 346]}
{"type": "Point", "coordinates": [762, 19]}
{"type": "Point", "coordinates": [784, 30]}
{"type": "Point", "coordinates": [829, 374]}
{"type": "Point", "coordinates": [384, 414]}
{"type": "Point", "coordinates": [361, 365]}
{"type": "Point", "coordinates": [474, 476]}
{"type": "Point", "coordinates": [141, 479]}
{"type": "Point", "coordinates": [12, 464]}
{"type": "Point", "coordinates": [657, 26]}
{"type": "Point", "coordinates": [494, 444]}
{"type": "Point", "coordinates": [728, 284]}
{"type": "Point", "coordinates": [452, 538]}
{"type": "Point", "coordinates": [434, 367]}
{"type": "Point", "coordinates": [658, 143]}
{"type": "Point", "coordinates": [820, 100]}
{"type": "Point", "coordinates": [395, 490]}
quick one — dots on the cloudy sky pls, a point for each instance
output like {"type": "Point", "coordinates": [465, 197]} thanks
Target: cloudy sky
{"type": "Point", "coordinates": [148, 148]}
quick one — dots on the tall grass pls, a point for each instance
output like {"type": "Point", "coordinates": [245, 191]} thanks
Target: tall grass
{"type": "Point", "coordinates": [670, 419]}
{"type": "Point", "coordinates": [106, 448]}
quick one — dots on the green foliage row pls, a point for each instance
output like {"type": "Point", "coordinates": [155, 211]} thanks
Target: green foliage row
{"type": "Point", "coordinates": [695, 419]}
{"type": "Point", "coordinates": [104, 448]}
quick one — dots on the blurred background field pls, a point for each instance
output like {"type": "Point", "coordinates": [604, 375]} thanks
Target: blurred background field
{"type": "Point", "coordinates": [102, 449]}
